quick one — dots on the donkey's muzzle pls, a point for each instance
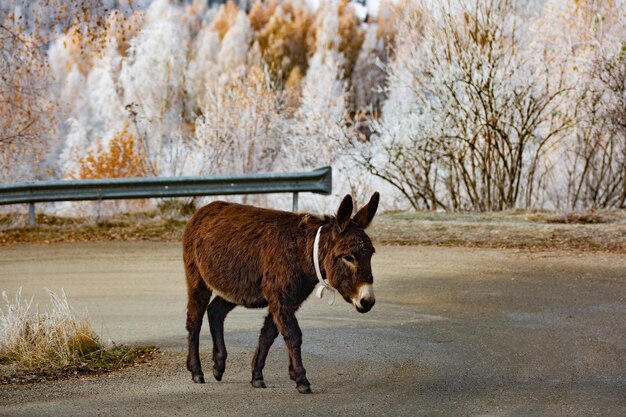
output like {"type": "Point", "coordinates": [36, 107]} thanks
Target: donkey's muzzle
{"type": "Point", "coordinates": [365, 299]}
{"type": "Point", "coordinates": [365, 305]}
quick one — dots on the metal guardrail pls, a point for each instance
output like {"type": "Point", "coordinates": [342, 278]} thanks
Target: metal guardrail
{"type": "Point", "coordinates": [317, 181]}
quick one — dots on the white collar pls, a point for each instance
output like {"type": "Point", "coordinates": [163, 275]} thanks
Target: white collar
{"type": "Point", "coordinates": [316, 261]}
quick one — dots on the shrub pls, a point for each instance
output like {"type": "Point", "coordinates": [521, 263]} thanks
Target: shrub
{"type": "Point", "coordinates": [122, 159]}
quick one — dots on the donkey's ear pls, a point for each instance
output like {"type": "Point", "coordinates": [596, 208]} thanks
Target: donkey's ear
{"type": "Point", "coordinates": [364, 216]}
{"type": "Point", "coordinates": [344, 213]}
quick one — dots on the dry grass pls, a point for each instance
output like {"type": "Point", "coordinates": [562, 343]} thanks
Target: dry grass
{"type": "Point", "coordinates": [55, 343]}
{"type": "Point", "coordinates": [55, 338]}
{"type": "Point", "coordinates": [540, 230]}
{"type": "Point", "coordinates": [123, 227]}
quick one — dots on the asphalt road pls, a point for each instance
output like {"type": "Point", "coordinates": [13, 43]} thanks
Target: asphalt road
{"type": "Point", "coordinates": [454, 332]}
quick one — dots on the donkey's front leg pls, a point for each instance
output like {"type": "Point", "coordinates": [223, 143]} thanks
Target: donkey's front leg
{"type": "Point", "coordinates": [285, 319]}
{"type": "Point", "coordinates": [217, 311]}
{"type": "Point", "coordinates": [269, 332]}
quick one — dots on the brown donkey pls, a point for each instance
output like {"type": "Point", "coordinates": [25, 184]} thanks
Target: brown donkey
{"type": "Point", "coordinates": [258, 258]}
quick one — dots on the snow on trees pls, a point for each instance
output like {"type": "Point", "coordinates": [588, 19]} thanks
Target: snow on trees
{"type": "Point", "coordinates": [466, 104]}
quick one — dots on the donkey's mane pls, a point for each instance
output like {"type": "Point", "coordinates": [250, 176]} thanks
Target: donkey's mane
{"type": "Point", "coordinates": [324, 219]}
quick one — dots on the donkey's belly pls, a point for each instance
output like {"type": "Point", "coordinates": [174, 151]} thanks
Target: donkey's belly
{"type": "Point", "coordinates": [246, 300]}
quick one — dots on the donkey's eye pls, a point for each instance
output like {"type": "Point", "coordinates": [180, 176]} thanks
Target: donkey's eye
{"type": "Point", "coordinates": [348, 258]}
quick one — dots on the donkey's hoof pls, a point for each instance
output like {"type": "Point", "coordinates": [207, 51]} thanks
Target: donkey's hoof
{"type": "Point", "coordinates": [258, 383]}
{"type": "Point", "coordinates": [217, 374]}
{"type": "Point", "coordinates": [198, 379]}
{"type": "Point", "coordinates": [304, 389]}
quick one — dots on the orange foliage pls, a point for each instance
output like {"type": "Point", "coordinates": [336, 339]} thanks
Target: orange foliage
{"type": "Point", "coordinates": [79, 48]}
{"type": "Point", "coordinates": [120, 160]}
{"type": "Point", "coordinates": [282, 40]}
{"type": "Point", "coordinates": [87, 41]}
{"type": "Point", "coordinates": [261, 13]}
{"type": "Point", "coordinates": [249, 90]}
{"type": "Point", "coordinates": [225, 18]}
{"type": "Point", "coordinates": [123, 28]}
{"type": "Point", "coordinates": [293, 90]}
{"type": "Point", "coordinates": [351, 36]}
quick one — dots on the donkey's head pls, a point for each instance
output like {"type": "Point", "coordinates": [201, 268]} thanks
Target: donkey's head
{"type": "Point", "coordinates": [348, 261]}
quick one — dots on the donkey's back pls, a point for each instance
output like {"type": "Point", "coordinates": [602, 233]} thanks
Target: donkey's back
{"type": "Point", "coordinates": [229, 247]}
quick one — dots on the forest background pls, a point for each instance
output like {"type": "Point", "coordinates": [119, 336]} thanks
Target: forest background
{"type": "Point", "coordinates": [481, 105]}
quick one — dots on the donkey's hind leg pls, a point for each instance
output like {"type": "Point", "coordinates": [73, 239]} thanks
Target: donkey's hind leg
{"type": "Point", "coordinates": [217, 311]}
{"type": "Point", "coordinates": [198, 299]}
{"type": "Point", "coordinates": [269, 332]}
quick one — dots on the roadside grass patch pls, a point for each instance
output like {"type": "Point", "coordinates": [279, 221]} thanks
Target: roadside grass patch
{"type": "Point", "coordinates": [121, 227]}
{"type": "Point", "coordinates": [55, 343]}
{"type": "Point", "coordinates": [534, 230]}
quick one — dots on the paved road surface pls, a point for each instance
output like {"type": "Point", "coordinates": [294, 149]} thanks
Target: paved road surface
{"type": "Point", "coordinates": [455, 331]}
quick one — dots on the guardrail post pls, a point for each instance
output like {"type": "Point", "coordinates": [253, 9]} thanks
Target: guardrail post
{"type": "Point", "coordinates": [31, 214]}
{"type": "Point", "coordinates": [294, 205]}
{"type": "Point", "coordinates": [98, 206]}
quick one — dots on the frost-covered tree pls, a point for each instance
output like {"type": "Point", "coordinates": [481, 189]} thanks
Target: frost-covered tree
{"type": "Point", "coordinates": [153, 81]}
{"type": "Point", "coordinates": [26, 128]}
{"type": "Point", "coordinates": [318, 121]}
{"type": "Point", "coordinates": [282, 37]}
{"type": "Point", "coordinates": [590, 44]}
{"type": "Point", "coordinates": [235, 45]}
{"type": "Point", "coordinates": [470, 114]}
{"type": "Point", "coordinates": [202, 68]}
{"type": "Point", "coordinates": [95, 107]}
{"type": "Point", "coordinates": [317, 137]}
{"type": "Point", "coordinates": [87, 88]}
{"type": "Point", "coordinates": [241, 128]}
{"type": "Point", "coordinates": [597, 174]}
{"type": "Point", "coordinates": [368, 76]}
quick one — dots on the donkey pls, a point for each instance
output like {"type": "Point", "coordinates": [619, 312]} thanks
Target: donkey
{"type": "Point", "coordinates": [254, 257]}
